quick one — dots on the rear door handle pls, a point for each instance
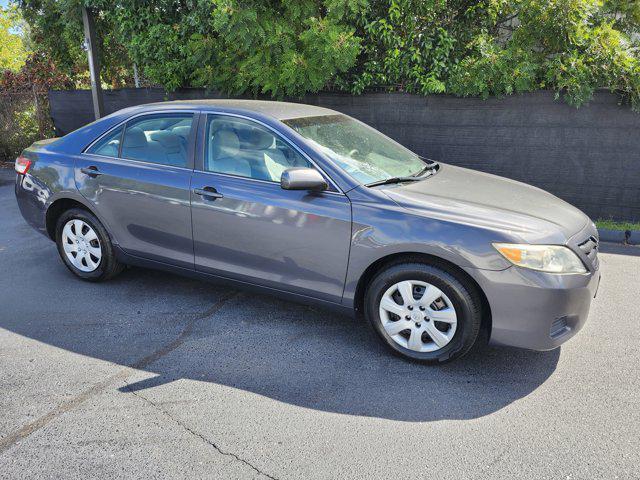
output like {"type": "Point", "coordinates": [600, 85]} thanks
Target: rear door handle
{"type": "Point", "coordinates": [91, 171]}
{"type": "Point", "coordinates": [208, 192]}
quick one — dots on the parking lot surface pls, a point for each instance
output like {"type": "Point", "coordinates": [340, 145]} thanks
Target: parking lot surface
{"type": "Point", "coordinates": [154, 376]}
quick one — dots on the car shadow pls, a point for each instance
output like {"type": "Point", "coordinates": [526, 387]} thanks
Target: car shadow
{"type": "Point", "coordinates": [304, 356]}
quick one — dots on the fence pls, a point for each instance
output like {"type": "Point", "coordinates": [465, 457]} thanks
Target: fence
{"type": "Point", "coordinates": [24, 118]}
{"type": "Point", "coordinates": [589, 156]}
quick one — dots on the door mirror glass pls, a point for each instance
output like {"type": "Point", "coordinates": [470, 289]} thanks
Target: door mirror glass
{"type": "Point", "coordinates": [302, 178]}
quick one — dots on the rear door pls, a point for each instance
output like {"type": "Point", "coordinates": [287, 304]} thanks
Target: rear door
{"type": "Point", "coordinates": [248, 228]}
{"type": "Point", "coordinates": [138, 178]}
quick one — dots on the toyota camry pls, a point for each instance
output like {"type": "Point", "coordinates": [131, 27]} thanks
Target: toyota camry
{"type": "Point", "coordinates": [310, 204]}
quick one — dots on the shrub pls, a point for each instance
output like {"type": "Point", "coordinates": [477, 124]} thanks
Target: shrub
{"type": "Point", "coordinates": [280, 47]}
{"type": "Point", "coordinates": [19, 124]}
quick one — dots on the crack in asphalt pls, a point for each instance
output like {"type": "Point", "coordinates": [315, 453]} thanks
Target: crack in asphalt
{"type": "Point", "coordinates": [17, 435]}
{"type": "Point", "coordinates": [196, 434]}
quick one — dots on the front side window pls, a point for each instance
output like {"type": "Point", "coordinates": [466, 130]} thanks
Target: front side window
{"type": "Point", "coordinates": [109, 145]}
{"type": "Point", "coordinates": [363, 152]}
{"type": "Point", "coordinates": [236, 146]}
{"type": "Point", "coordinates": [161, 138]}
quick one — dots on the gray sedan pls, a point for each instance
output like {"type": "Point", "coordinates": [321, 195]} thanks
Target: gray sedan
{"type": "Point", "coordinates": [313, 205]}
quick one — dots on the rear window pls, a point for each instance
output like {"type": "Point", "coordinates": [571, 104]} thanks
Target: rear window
{"type": "Point", "coordinates": [109, 145]}
{"type": "Point", "coordinates": [161, 138]}
{"type": "Point", "coordinates": [156, 138]}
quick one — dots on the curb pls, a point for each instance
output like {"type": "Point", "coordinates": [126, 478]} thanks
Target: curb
{"type": "Point", "coordinates": [618, 236]}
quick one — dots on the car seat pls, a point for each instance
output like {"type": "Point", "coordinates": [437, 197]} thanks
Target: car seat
{"type": "Point", "coordinates": [175, 151]}
{"type": "Point", "coordinates": [136, 147]}
{"type": "Point", "coordinates": [268, 162]}
{"type": "Point", "coordinates": [224, 154]}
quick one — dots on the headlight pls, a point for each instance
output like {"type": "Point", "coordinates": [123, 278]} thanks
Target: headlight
{"type": "Point", "coordinates": [546, 258]}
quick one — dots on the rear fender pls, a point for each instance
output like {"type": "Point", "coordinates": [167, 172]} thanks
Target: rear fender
{"type": "Point", "coordinates": [74, 195]}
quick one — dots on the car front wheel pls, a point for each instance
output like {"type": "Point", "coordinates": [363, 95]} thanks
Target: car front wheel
{"type": "Point", "coordinates": [424, 312]}
{"type": "Point", "coordinates": [85, 247]}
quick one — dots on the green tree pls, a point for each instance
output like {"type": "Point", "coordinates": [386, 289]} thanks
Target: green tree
{"type": "Point", "coordinates": [573, 46]}
{"type": "Point", "coordinates": [14, 47]}
{"type": "Point", "coordinates": [277, 47]}
{"type": "Point", "coordinates": [57, 32]}
{"type": "Point", "coordinates": [288, 48]}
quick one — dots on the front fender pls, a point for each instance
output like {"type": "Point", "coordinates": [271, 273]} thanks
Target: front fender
{"type": "Point", "coordinates": [382, 232]}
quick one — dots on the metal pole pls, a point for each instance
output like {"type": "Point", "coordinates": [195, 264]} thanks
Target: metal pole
{"type": "Point", "coordinates": [136, 76]}
{"type": "Point", "coordinates": [94, 64]}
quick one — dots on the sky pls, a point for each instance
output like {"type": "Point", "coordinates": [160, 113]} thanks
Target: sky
{"type": "Point", "coordinates": [4, 3]}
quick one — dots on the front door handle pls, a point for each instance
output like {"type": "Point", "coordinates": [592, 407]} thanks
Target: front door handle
{"type": "Point", "coordinates": [208, 192]}
{"type": "Point", "coordinates": [91, 171]}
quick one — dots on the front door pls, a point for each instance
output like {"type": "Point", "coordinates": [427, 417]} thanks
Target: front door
{"type": "Point", "coordinates": [138, 178]}
{"type": "Point", "coordinates": [246, 227]}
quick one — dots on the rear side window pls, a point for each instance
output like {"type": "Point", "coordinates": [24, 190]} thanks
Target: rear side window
{"type": "Point", "coordinates": [109, 145]}
{"type": "Point", "coordinates": [161, 138]}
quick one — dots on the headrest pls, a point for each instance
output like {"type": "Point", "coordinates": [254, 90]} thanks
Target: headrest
{"type": "Point", "coordinates": [134, 138]}
{"type": "Point", "coordinates": [225, 143]}
{"type": "Point", "coordinates": [183, 131]}
{"type": "Point", "coordinates": [259, 139]}
{"type": "Point", "coordinates": [168, 140]}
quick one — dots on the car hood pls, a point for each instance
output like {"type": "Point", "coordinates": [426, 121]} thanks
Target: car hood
{"type": "Point", "coordinates": [521, 211]}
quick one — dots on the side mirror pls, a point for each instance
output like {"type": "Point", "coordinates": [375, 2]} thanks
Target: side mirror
{"type": "Point", "coordinates": [302, 178]}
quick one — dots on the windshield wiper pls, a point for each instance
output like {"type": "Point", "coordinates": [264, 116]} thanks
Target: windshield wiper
{"type": "Point", "coordinates": [393, 180]}
{"type": "Point", "coordinates": [431, 168]}
{"type": "Point", "coordinates": [431, 165]}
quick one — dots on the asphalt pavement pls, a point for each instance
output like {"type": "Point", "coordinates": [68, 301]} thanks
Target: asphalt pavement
{"type": "Point", "coordinates": [152, 375]}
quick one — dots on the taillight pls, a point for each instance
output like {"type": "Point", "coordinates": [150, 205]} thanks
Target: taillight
{"type": "Point", "coordinates": [22, 165]}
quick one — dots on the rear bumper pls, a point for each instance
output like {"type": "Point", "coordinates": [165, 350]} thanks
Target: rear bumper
{"type": "Point", "coordinates": [32, 202]}
{"type": "Point", "coordinates": [536, 310]}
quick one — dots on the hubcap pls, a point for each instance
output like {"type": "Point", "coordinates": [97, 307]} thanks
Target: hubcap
{"type": "Point", "coordinates": [81, 245]}
{"type": "Point", "coordinates": [418, 316]}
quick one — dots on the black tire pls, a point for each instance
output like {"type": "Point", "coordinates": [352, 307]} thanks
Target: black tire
{"type": "Point", "coordinates": [108, 266]}
{"type": "Point", "coordinates": [460, 291]}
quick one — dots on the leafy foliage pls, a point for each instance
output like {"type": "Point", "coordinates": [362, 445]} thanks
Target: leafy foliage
{"type": "Point", "coordinates": [281, 47]}
{"type": "Point", "coordinates": [13, 32]}
{"type": "Point", "coordinates": [500, 47]}
{"type": "Point", "coordinates": [405, 47]}
{"type": "Point", "coordinates": [19, 125]}
{"type": "Point", "coordinates": [57, 32]}
{"type": "Point", "coordinates": [277, 47]}
{"type": "Point", "coordinates": [574, 46]}
{"type": "Point", "coordinates": [38, 74]}
{"type": "Point", "coordinates": [24, 108]}
{"type": "Point", "coordinates": [289, 48]}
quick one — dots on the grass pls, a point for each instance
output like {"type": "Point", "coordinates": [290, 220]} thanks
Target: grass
{"type": "Point", "coordinates": [613, 225]}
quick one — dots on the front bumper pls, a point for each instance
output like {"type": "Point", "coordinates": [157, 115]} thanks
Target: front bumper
{"type": "Point", "coordinates": [536, 310]}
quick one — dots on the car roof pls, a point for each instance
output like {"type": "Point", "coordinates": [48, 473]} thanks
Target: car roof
{"type": "Point", "coordinates": [277, 110]}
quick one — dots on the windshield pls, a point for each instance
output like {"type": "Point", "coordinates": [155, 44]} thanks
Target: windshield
{"type": "Point", "coordinates": [366, 154]}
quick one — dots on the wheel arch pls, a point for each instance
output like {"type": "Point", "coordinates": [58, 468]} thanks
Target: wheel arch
{"type": "Point", "coordinates": [60, 205]}
{"type": "Point", "coordinates": [418, 257]}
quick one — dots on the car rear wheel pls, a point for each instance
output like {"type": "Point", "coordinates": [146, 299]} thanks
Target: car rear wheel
{"type": "Point", "coordinates": [424, 312]}
{"type": "Point", "coordinates": [85, 246]}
